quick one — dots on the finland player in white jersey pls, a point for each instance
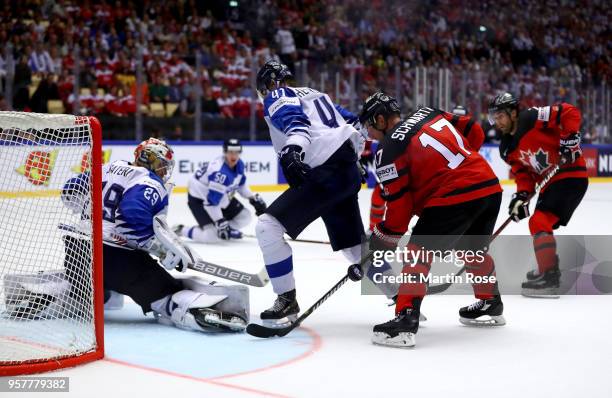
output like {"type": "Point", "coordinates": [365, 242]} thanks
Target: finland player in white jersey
{"type": "Point", "coordinates": [135, 201]}
{"type": "Point", "coordinates": [318, 149]}
{"type": "Point", "coordinates": [211, 198]}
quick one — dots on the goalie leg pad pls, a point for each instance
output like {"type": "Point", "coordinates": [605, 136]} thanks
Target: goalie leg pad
{"type": "Point", "coordinates": [205, 307]}
{"type": "Point", "coordinates": [237, 302]}
{"type": "Point", "coordinates": [114, 301]}
{"type": "Point", "coordinates": [179, 309]}
{"type": "Point", "coordinates": [38, 296]}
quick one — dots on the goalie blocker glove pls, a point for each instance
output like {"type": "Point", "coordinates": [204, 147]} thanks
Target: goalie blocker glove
{"type": "Point", "coordinates": [519, 206]}
{"type": "Point", "coordinates": [172, 253]}
{"type": "Point", "coordinates": [292, 163]}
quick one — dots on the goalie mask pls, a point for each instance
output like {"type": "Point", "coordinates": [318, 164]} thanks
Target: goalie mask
{"type": "Point", "coordinates": [157, 156]}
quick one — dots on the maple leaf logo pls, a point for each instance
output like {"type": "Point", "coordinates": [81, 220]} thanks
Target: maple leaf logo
{"type": "Point", "coordinates": [538, 161]}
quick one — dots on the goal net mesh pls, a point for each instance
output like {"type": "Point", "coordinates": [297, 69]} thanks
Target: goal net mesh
{"type": "Point", "coordinates": [46, 235]}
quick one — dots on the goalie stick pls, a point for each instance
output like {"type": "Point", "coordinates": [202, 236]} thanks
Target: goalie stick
{"type": "Point", "coordinates": [259, 279]}
{"type": "Point", "coordinates": [436, 289]}
{"type": "Point", "coordinates": [264, 332]}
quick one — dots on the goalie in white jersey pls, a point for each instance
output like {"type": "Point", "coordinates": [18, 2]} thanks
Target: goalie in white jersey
{"type": "Point", "coordinates": [211, 198]}
{"type": "Point", "coordinates": [135, 201]}
{"type": "Point", "coordinates": [318, 149]}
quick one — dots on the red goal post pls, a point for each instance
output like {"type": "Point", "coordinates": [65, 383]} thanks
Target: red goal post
{"type": "Point", "coordinates": [51, 291]}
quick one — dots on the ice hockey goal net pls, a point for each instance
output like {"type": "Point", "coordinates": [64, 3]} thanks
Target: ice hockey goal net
{"type": "Point", "coordinates": [51, 297]}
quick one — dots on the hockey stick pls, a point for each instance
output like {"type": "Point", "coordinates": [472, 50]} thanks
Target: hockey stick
{"type": "Point", "coordinates": [264, 332]}
{"type": "Point", "coordinates": [321, 242]}
{"type": "Point", "coordinates": [442, 287]}
{"type": "Point", "coordinates": [259, 279]}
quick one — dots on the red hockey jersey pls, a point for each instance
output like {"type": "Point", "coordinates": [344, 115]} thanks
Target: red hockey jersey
{"type": "Point", "coordinates": [469, 128]}
{"type": "Point", "coordinates": [534, 148]}
{"type": "Point", "coordinates": [425, 161]}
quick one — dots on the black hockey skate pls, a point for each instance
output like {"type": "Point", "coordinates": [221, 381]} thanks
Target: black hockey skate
{"type": "Point", "coordinates": [422, 317]}
{"type": "Point", "coordinates": [534, 274]}
{"type": "Point", "coordinates": [399, 332]}
{"type": "Point", "coordinates": [283, 312]}
{"type": "Point", "coordinates": [545, 285]}
{"type": "Point", "coordinates": [483, 313]}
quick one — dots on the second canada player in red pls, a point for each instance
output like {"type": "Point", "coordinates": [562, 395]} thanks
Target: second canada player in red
{"type": "Point", "coordinates": [534, 141]}
{"type": "Point", "coordinates": [428, 169]}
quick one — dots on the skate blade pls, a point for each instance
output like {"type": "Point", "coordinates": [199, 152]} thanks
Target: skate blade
{"type": "Point", "coordinates": [496, 320]}
{"type": "Point", "coordinates": [402, 340]}
{"type": "Point", "coordinates": [552, 293]}
{"type": "Point", "coordinates": [234, 325]}
{"type": "Point", "coordinates": [279, 323]}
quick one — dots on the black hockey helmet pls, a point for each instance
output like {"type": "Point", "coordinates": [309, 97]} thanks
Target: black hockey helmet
{"type": "Point", "coordinates": [232, 144]}
{"type": "Point", "coordinates": [460, 110]}
{"type": "Point", "coordinates": [271, 74]}
{"type": "Point", "coordinates": [376, 104]}
{"type": "Point", "coordinates": [504, 102]}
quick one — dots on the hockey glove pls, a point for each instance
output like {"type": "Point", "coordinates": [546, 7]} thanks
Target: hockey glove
{"type": "Point", "coordinates": [292, 163]}
{"type": "Point", "coordinates": [383, 239]}
{"type": "Point", "coordinates": [519, 206]}
{"type": "Point", "coordinates": [258, 204]}
{"type": "Point", "coordinates": [569, 149]}
{"type": "Point", "coordinates": [172, 261]}
{"type": "Point", "coordinates": [223, 229]}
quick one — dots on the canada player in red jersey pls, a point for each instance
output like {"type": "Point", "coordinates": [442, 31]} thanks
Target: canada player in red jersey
{"type": "Point", "coordinates": [534, 140]}
{"type": "Point", "coordinates": [462, 121]}
{"type": "Point", "coordinates": [428, 169]}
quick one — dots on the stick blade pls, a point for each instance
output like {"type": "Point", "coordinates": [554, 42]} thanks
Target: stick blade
{"type": "Point", "coordinates": [264, 332]}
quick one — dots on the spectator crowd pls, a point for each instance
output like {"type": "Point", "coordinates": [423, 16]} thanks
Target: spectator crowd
{"type": "Point", "coordinates": [517, 45]}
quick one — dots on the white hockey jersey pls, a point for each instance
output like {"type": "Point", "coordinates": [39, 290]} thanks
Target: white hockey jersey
{"type": "Point", "coordinates": [131, 197]}
{"type": "Point", "coordinates": [308, 118]}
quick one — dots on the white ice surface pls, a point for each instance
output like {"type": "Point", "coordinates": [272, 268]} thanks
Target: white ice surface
{"type": "Point", "coordinates": [549, 348]}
